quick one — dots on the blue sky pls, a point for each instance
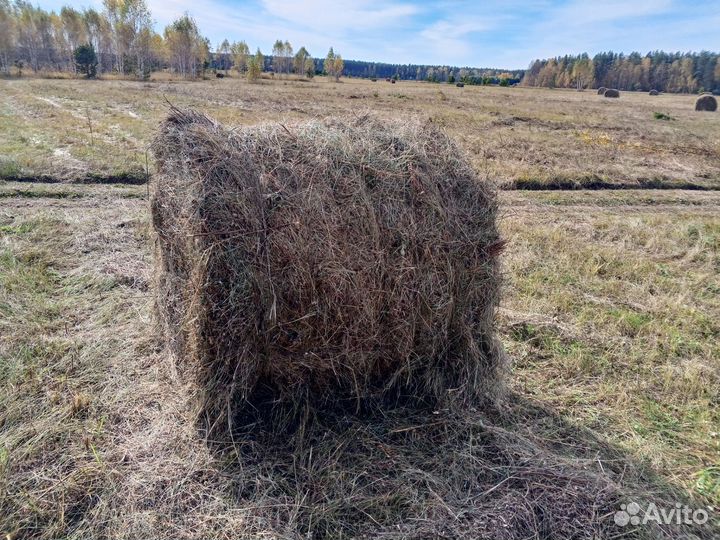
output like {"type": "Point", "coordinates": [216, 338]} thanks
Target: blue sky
{"type": "Point", "coordinates": [493, 33]}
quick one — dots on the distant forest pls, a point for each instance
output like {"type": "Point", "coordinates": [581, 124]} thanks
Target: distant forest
{"type": "Point", "coordinates": [120, 39]}
{"type": "Point", "coordinates": [416, 72]}
{"type": "Point", "coordinates": [665, 72]}
{"type": "Point", "coordinates": [402, 72]}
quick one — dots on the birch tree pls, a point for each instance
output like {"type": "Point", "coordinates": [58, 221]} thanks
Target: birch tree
{"type": "Point", "coordinates": [240, 53]}
{"type": "Point", "coordinates": [187, 49]}
{"type": "Point", "coordinates": [7, 35]}
{"type": "Point", "coordinates": [333, 64]}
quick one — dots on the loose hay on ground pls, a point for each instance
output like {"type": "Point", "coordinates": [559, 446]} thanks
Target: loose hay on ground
{"type": "Point", "coordinates": [335, 263]}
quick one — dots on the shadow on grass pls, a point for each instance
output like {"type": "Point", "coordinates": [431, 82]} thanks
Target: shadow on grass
{"type": "Point", "coordinates": [596, 183]}
{"type": "Point", "coordinates": [133, 179]}
{"type": "Point", "coordinates": [517, 472]}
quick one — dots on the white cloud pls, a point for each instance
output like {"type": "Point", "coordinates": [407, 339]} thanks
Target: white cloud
{"type": "Point", "coordinates": [340, 15]}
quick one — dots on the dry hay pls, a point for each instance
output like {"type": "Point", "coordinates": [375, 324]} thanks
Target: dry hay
{"type": "Point", "coordinates": [654, 93]}
{"type": "Point", "coordinates": [601, 91]}
{"type": "Point", "coordinates": [440, 476]}
{"type": "Point", "coordinates": [612, 93]}
{"type": "Point", "coordinates": [333, 263]}
{"type": "Point", "coordinates": [706, 103]}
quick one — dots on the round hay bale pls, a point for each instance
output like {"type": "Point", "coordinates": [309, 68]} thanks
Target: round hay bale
{"type": "Point", "coordinates": [601, 91]}
{"type": "Point", "coordinates": [654, 93]}
{"type": "Point", "coordinates": [706, 103]}
{"type": "Point", "coordinates": [611, 93]}
{"type": "Point", "coordinates": [345, 262]}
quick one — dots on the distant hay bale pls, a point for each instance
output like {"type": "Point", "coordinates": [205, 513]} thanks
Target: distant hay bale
{"type": "Point", "coordinates": [654, 93]}
{"type": "Point", "coordinates": [345, 262]}
{"type": "Point", "coordinates": [706, 103]}
{"type": "Point", "coordinates": [611, 93]}
{"type": "Point", "coordinates": [601, 91]}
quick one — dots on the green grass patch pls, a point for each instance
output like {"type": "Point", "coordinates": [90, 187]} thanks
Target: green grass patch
{"type": "Point", "coordinates": [662, 116]}
{"type": "Point", "coordinates": [21, 228]}
{"type": "Point", "coordinates": [40, 194]}
{"type": "Point", "coordinates": [29, 272]}
{"type": "Point", "coordinates": [9, 168]}
{"type": "Point", "coordinates": [708, 484]}
{"type": "Point", "coordinates": [630, 323]}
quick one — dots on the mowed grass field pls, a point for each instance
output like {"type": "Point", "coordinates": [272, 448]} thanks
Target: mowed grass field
{"type": "Point", "coordinates": [75, 129]}
{"type": "Point", "coordinates": [610, 313]}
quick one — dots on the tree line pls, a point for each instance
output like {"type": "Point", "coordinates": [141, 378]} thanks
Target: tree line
{"type": "Point", "coordinates": [120, 38]}
{"type": "Point", "coordinates": [658, 70]}
{"type": "Point", "coordinates": [421, 72]}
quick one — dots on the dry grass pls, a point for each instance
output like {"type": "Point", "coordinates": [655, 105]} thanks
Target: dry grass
{"type": "Point", "coordinates": [324, 265]}
{"type": "Point", "coordinates": [610, 313]}
{"type": "Point", "coordinates": [610, 316]}
{"type": "Point", "coordinates": [519, 136]}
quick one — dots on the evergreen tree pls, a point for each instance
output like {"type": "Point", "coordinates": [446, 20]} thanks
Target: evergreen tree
{"type": "Point", "coordinates": [86, 60]}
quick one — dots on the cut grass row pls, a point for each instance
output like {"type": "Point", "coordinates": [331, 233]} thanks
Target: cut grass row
{"type": "Point", "coordinates": [79, 131]}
